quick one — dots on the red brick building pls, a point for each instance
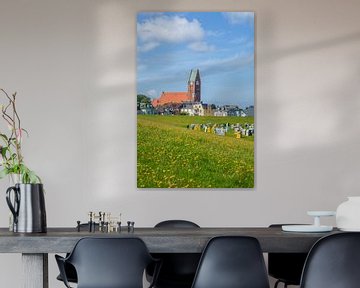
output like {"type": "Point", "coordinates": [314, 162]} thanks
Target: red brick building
{"type": "Point", "coordinates": [192, 95]}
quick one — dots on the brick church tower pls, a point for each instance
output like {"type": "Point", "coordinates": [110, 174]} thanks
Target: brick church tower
{"type": "Point", "coordinates": [194, 85]}
{"type": "Point", "coordinates": [193, 93]}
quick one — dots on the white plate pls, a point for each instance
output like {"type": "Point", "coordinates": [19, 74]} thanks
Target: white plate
{"type": "Point", "coordinates": [321, 213]}
{"type": "Point", "coordinates": [306, 228]}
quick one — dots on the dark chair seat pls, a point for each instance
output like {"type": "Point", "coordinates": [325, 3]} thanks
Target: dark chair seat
{"type": "Point", "coordinates": [232, 262]}
{"type": "Point", "coordinates": [70, 273]}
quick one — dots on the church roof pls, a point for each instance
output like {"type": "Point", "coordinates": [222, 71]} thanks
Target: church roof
{"type": "Point", "coordinates": [193, 74]}
{"type": "Point", "coordinates": [171, 97]}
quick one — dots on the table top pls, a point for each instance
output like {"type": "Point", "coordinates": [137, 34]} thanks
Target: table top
{"type": "Point", "coordinates": [158, 240]}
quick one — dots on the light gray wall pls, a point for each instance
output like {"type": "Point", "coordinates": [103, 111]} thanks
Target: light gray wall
{"type": "Point", "coordinates": [73, 66]}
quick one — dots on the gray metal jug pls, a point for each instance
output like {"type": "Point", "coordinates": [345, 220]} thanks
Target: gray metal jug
{"type": "Point", "coordinates": [28, 207]}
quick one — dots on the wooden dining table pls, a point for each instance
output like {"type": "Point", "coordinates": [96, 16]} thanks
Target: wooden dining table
{"type": "Point", "coordinates": [35, 247]}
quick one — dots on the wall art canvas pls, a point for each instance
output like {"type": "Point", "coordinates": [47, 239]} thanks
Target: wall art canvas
{"type": "Point", "coordinates": [195, 100]}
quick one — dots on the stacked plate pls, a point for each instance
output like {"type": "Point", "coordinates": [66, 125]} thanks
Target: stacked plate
{"type": "Point", "coordinates": [316, 227]}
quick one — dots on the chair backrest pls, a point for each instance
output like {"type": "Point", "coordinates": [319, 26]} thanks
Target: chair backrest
{"type": "Point", "coordinates": [287, 267]}
{"type": "Point", "coordinates": [178, 269]}
{"type": "Point", "coordinates": [333, 262]}
{"type": "Point", "coordinates": [232, 262]}
{"type": "Point", "coordinates": [176, 224]}
{"type": "Point", "coordinates": [110, 262]}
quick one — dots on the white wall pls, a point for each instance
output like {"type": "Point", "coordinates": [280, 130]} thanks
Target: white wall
{"type": "Point", "coordinates": [73, 66]}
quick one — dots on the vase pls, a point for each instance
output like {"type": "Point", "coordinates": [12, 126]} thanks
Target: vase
{"type": "Point", "coordinates": [27, 205]}
{"type": "Point", "coordinates": [348, 214]}
{"type": "Point", "coordinates": [13, 179]}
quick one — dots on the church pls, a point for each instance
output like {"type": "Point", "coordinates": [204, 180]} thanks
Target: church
{"type": "Point", "coordinates": [193, 93]}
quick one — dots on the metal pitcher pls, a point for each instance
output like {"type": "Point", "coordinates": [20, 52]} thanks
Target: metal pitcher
{"type": "Point", "coordinates": [27, 207]}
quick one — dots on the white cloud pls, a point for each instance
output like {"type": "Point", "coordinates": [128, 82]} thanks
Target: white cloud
{"type": "Point", "coordinates": [239, 17]}
{"type": "Point", "coordinates": [240, 41]}
{"type": "Point", "coordinates": [152, 93]}
{"type": "Point", "coordinates": [154, 31]}
{"type": "Point", "coordinates": [148, 46]}
{"type": "Point", "coordinates": [169, 29]}
{"type": "Point", "coordinates": [214, 33]}
{"type": "Point", "coordinates": [232, 63]}
{"type": "Point", "coordinates": [201, 47]}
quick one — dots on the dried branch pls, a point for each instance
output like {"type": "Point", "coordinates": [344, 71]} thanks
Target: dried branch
{"type": "Point", "coordinates": [11, 156]}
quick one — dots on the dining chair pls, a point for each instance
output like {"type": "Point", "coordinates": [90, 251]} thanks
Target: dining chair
{"type": "Point", "coordinates": [108, 263]}
{"type": "Point", "coordinates": [178, 269]}
{"type": "Point", "coordinates": [285, 267]}
{"type": "Point", "coordinates": [69, 269]}
{"type": "Point", "coordinates": [333, 262]}
{"type": "Point", "coordinates": [232, 262]}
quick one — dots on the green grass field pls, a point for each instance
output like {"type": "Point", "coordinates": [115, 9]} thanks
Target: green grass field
{"type": "Point", "coordinates": [171, 156]}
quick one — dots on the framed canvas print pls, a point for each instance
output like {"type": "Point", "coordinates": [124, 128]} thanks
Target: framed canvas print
{"type": "Point", "coordinates": [195, 100]}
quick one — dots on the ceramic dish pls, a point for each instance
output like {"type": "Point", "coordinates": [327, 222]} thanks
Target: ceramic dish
{"type": "Point", "coordinates": [306, 228]}
{"type": "Point", "coordinates": [321, 213]}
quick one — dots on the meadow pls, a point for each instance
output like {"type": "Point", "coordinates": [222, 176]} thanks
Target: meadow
{"type": "Point", "coordinates": [171, 156]}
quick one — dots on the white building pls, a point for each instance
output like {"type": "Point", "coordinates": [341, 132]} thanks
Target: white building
{"type": "Point", "coordinates": [192, 109]}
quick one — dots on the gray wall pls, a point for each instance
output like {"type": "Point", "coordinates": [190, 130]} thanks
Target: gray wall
{"type": "Point", "coordinates": [73, 66]}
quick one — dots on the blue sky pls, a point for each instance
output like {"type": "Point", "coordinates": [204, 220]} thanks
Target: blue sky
{"type": "Point", "coordinates": [220, 44]}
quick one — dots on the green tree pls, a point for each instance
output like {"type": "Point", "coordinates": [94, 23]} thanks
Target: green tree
{"type": "Point", "coordinates": [141, 98]}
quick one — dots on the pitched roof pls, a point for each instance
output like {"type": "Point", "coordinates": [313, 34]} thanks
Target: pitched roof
{"type": "Point", "coordinates": [171, 97]}
{"type": "Point", "coordinates": [193, 74]}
